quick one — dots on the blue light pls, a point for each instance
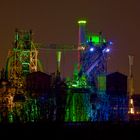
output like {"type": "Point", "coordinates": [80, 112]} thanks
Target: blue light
{"type": "Point", "coordinates": [91, 49]}
{"type": "Point", "coordinates": [107, 50]}
{"type": "Point", "coordinates": [110, 43]}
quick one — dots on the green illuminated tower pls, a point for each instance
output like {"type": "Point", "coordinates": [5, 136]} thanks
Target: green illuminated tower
{"type": "Point", "coordinates": [22, 59]}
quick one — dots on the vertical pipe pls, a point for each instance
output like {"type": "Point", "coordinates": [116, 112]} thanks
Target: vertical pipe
{"type": "Point", "coordinates": [82, 32]}
{"type": "Point", "coordinates": [81, 38]}
{"type": "Point", "coordinates": [58, 60]}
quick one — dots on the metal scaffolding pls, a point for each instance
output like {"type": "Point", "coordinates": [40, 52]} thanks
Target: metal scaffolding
{"type": "Point", "coordinates": [22, 59]}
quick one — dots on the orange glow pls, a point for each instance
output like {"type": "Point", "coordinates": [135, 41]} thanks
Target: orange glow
{"type": "Point", "coordinates": [131, 107]}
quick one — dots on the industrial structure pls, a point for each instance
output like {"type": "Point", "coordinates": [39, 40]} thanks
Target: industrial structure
{"type": "Point", "coordinates": [134, 113]}
{"type": "Point", "coordinates": [92, 69]}
{"type": "Point", "coordinates": [116, 85]}
{"type": "Point", "coordinates": [22, 59]}
{"type": "Point", "coordinates": [28, 94]}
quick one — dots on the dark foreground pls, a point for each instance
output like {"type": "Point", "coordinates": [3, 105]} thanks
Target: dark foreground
{"type": "Point", "coordinates": [113, 130]}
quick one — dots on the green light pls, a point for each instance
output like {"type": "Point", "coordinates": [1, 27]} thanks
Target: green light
{"type": "Point", "coordinates": [76, 108]}
{"type": "Point", "coordinates": [95, 39]}
{"type": "Point", "coordinates": [16, 37]}
{"type": "Point", "coordinates": [74, 85]}
{"type": "Point", "coordinates": [25, 63]}
{"type": "Point", "coordinates": [82, 21]}
{"type": "Point", "coordinates": [101, 82]}
{"type": "Point", "coordinates": [10, 117]}
{"type": "Point", "coordinates": [104, 41]}
{"type": "Point", "coordinates": [77, 103]}
{"type": "Point", "coordinates": [58, 56]}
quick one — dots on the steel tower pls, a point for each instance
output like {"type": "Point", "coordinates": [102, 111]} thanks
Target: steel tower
{"type": "Point", "coordinates": [89, 78]}
{"type": "Point", "coordinates": [93, 64]}
{"type": "Point", "coordinates": [93, 59]}
{"type": "Point", "coordinates": [22, 59]}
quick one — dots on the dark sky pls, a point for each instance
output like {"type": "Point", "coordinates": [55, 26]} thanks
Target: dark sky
{"type": "Point", "coordinates": [55, 21]}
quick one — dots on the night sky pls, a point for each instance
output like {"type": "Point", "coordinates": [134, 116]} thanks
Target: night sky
{"type": "Point", "coordinates": [55, 21]}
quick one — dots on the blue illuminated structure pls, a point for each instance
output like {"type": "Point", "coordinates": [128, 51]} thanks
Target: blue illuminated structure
{"type": "Point", "coordinates": [93, 62]}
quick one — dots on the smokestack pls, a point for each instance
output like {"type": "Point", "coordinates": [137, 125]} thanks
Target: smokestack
{"type": "Point", "coordinates": [81, 38]}
{"type": "Point", "coordinates": [131, 86]}
{"type": "Point", "coordinates": [82, 32]}
{"type": "Point", "coordinates": [58, 61]}
{"type": "Point", "coordinates": [131, 78]}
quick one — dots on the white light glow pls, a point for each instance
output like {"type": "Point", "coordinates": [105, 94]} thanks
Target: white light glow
{"type": "Point", "coordinates": [91, 49]}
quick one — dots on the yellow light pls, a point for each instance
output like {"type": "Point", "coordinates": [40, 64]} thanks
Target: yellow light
{"type": "Point", "coordinates": [82, 21]}
{"type": "Point", "coordinates": [81, 48]}
{"type": "Point", "coordinates": [131, 101]}
{"type": "Point", "coordinates": [59, 56]}
{"type": "Point", "coordinates": [132, 110]}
